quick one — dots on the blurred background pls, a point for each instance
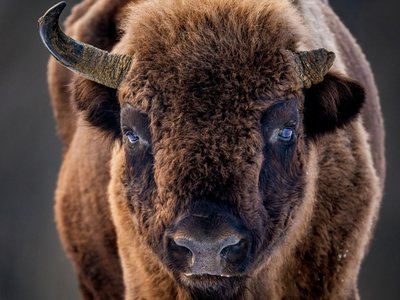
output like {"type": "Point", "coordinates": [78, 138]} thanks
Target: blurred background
{"type": "Point", "coordinates": [32, 263]}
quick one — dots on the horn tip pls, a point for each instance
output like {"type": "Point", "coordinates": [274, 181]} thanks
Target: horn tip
{"type": "Point", "coordinates": [53, 12]}
{"type": "Point", "coordinates": [331, 58]}
{"type": "Point", "coordinates": [48, 26]}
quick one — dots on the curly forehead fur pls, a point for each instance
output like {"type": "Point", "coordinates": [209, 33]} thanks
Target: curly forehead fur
{"type": "Point", "coordinates": [246, 25]}
{"type": "Point", "coordinates": [233, 41]}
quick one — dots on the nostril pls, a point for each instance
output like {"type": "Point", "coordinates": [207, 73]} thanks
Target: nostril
{"type": "Point", "coordinates": [179, 251]}
{"type": "Point", "coordinates": [236, 252]}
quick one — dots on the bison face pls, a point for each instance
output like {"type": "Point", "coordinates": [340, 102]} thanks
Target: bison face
{"type": "Point", "coordinates": [215, 158]}
{"type": "Point", "coordinates": [218, 181]}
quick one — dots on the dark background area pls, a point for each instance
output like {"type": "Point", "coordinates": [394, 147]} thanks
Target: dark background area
{"type": "Point", "coordinates": [32, 263]}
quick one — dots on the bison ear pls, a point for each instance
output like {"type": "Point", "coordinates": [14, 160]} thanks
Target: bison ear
{"type": "Point", "coordinates": [331, 104]}
{"type": "Point", "coordinates": [98, 104]}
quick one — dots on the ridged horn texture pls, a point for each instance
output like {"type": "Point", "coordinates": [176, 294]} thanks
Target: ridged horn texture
{"type": "Point", "coordinates": [95, 64]}
{"type": "Point", "coordinates": [313, 65]}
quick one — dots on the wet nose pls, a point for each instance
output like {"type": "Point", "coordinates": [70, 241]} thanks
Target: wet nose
{"type": "Point", "coordinates": [212, 251]}
{"type": "Point", "coordinates": [208, 257]}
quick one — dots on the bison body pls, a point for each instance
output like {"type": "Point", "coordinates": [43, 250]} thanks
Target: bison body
{"type": "Point", "coordinates": [212, 171]}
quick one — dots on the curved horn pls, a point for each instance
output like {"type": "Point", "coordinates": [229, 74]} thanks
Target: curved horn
{"type": "Point", "coordinates": [313, 65]}
{"type": "Point", "coordinates": [95, 64]}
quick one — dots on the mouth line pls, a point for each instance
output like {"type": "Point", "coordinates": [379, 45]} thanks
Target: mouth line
{"type": "Point", "coordinates": [208, 275]}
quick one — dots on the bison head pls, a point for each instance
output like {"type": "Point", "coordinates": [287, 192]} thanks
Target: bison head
{"type": "Point", "coordinates": [215, 115]}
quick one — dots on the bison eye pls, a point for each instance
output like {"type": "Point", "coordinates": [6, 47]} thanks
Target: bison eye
{"type": "Point", "coordinates": [285, 134]}
{"type": "Point", "coordinates": [131, 136]}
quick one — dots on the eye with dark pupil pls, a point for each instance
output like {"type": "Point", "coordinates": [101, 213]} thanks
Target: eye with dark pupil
{"type": "Point", "coordinates": [285, 134]}
{"type": "Point", "coordinates": [131, 136]}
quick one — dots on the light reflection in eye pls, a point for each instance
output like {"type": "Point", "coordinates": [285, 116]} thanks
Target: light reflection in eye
{"type": "Point", "coordinates": [132, 137]}
{"type": "Point", "coordinates": [285, 134]}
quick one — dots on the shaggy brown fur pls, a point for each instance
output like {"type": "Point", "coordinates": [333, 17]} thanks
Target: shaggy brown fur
{"type": "Point", "coordinates": [211, 83]}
